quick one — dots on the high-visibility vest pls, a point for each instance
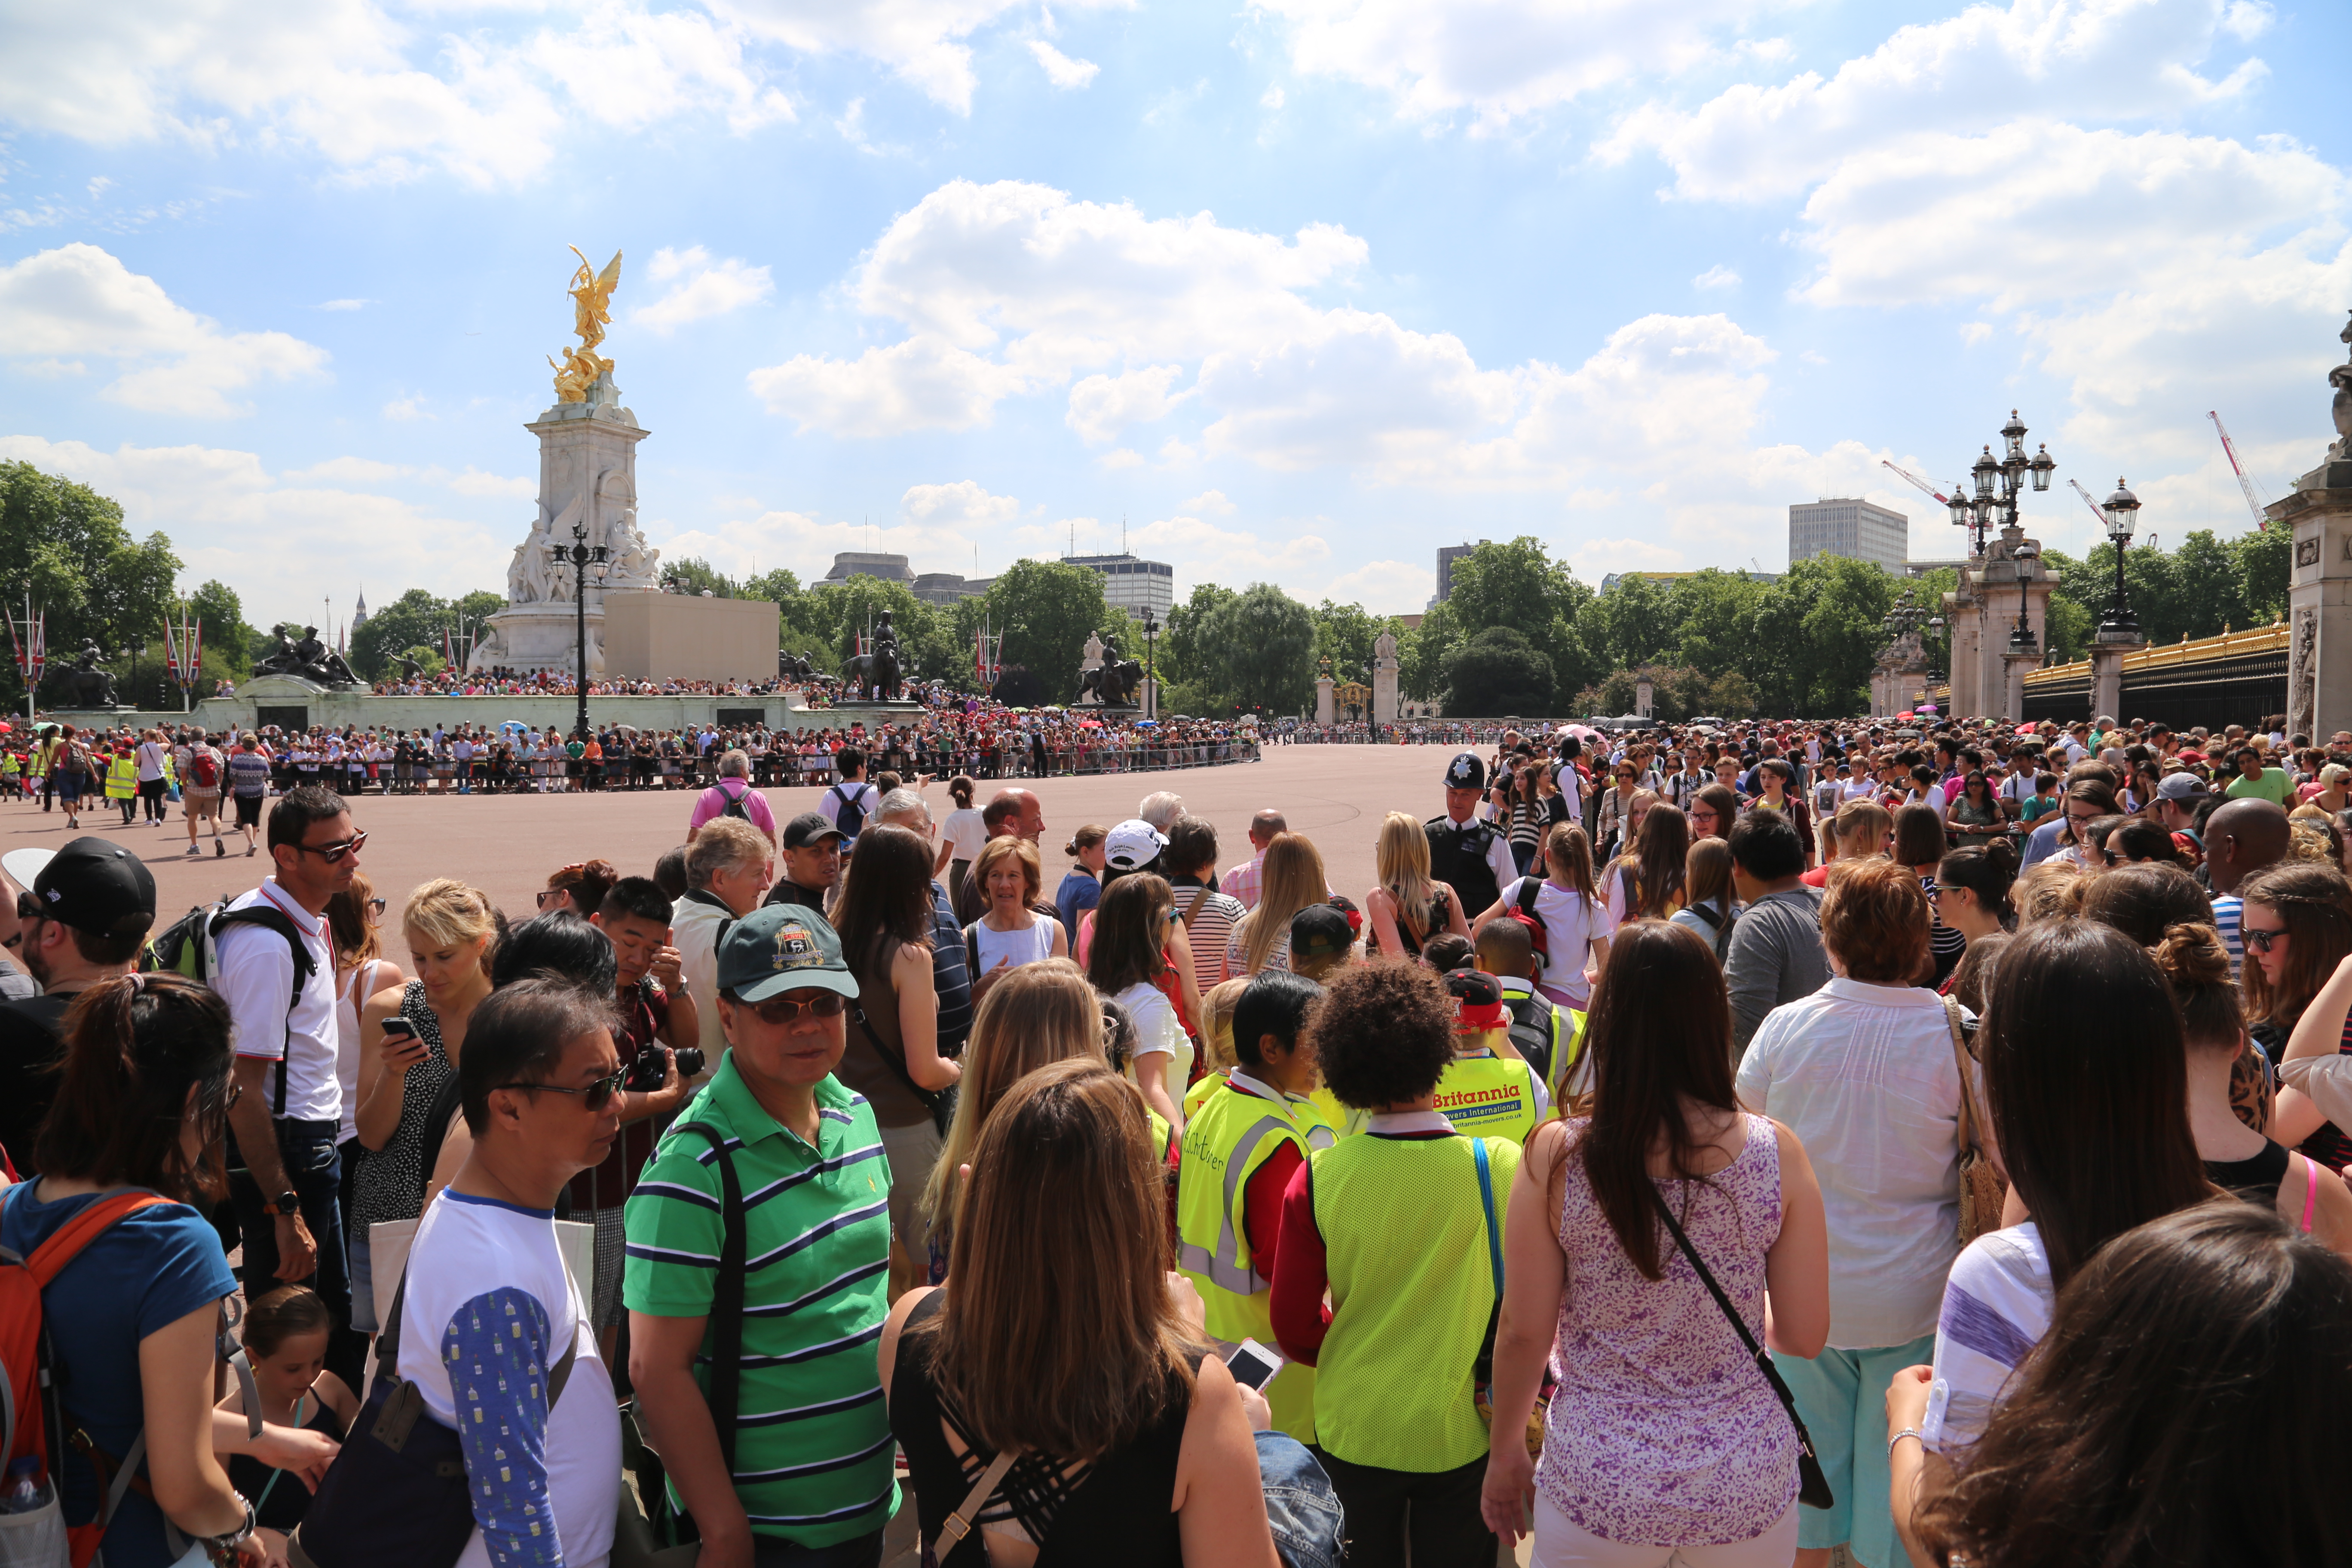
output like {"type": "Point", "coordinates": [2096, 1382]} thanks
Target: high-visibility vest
{"type": "Point", "coordinates": [122, 778]}
{"type": "Point", "coordinates": [1226, 1141]}
{"type": "Point", "coordinates": [1571, 1071]}
{"type": "Point", "coordinates": [1489, 1097]}
{"type": "Point", "coordinates": [1413, 1285]}
{"type": "Point", "coordinates": [1319, 1116]}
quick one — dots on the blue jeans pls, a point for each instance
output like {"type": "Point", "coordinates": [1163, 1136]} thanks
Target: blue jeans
{"type": "Point", "coordinates": [1300, 1503]}
{"type": "Point", "coordinates": [314, 1170]}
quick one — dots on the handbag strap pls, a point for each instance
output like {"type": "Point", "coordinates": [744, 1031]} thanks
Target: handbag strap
{"type": "Point", "coordinates": [1969, 1121]}
{"type": "Point", "coordinates": [1757, 1352]}
{"type": "Point", "coordinates": [960, 1523]}
{"type": "Point", "coordinates": [1487, 1196]}
{"type": "Point", "coordinates": [896, 1063]}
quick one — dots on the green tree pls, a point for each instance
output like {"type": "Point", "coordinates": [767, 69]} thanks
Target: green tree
{"type": "Point", "coordinates": [1261, 648]}
{"type": "Point", "coordinates": [1636, 623]}
{"type": "Point", "coordinates": [67, 543]}
{"type": "Point", "coordinates": [1519, 585]}
{"type": "Point", "coordinates": [1421, 652]}
{"type": "Point", "coordinates": [219, 612]}
{"type": "Point", "coordinates": [418, 616]}
{"type": "Point", "coordinates": [694, 574]}
{"type": "Point", "coordinates": [1344, 634]}
{"type": "Point", "coordinates": [1497, 672]}
{"type": "Point", "coordinates": [1045, 610]}
{"type": "Point", "coordinates": [1184, 654]}
{"type": "Point", "coordinates": [2261, 572]}
{"type": "Point", "coordinates": [1715, 614]}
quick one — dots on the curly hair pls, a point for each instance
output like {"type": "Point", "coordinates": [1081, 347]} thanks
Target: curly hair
{"type": "Point", "coordinates": [1382, 1034]}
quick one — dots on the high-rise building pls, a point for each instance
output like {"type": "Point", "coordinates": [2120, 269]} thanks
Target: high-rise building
{"type": "Point", "coordinates": [1447, 554]}
{"type": "Point", "coordinates": [860, 563]}
{"type": "Point", "coordinates": [1860, 529]}
{"type": "Point", "coordinates": [1132, 583]}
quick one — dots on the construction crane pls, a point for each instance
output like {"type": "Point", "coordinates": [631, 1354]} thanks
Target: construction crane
{"type": "Point", "coordinates": [2245, 481]}
{"type": "Point", "coordinates": [1941, 500]}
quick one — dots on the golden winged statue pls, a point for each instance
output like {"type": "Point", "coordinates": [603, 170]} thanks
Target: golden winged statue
{"type": "Point", "coordinates": [592, 301]}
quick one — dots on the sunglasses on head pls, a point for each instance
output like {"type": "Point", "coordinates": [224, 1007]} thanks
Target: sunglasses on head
{"type": "Point", "coordinates": [332, 853]}
{"type": "Point", "coordinates": [593, 1096]}
{"type": "Point", "coordinates": [778, 1011]}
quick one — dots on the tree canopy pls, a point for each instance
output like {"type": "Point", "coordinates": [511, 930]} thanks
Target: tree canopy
{"type": "Point", "coordinates": [68, 545]}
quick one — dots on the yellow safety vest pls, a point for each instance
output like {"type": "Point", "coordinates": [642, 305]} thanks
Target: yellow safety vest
{"type": "Point", "coordinates": [1227, 1140]}
{"type": "Point", "coordinates": [122, 778]}
{"type": "Point", "coordinates": [1489, 1097]}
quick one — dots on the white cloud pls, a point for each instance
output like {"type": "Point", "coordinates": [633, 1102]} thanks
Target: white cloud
{"type": "Point", "coordinates": [229, 518]}
{"type": "Point", "coordinates": [1384, 587]}
{"type": "Point", "coordinates": [1211, 502]}
{"type": "Point", "coordinates": [1716, 277]}
{"type": "Point", "coordinates": [703, 288]}
{"type": "Point", "coordinates": [1202, 551]}
{"type": "Point", "coordinates": [81, 299]}
{"type": "Point", "coordinates": [1272, 98]}
{"type": "Point", "coordinates": [346, 304]}
{"type": "Point", "coordinates": [98, 186]}
{"type": "Point", "coordinates": [1060, 69]}
{"type": "Point", "coordinates": [2103, 60]}
{"type": "Point", "coordinates": [1503, 59]}
{"type": "Point", "coordinates": [962, 504]}
{"type": "Point", "coordinates": [402, 410]}
{"type": "Point", "coordinates": [1102, 405]}
{"type": "Point", "coordinates": [920, 385]}
{"type": "Point", "coordinates": [1974, 332]}
{"type": "Point", "coordinates": [923, 41]}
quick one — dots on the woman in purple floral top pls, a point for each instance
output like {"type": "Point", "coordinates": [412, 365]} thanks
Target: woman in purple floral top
{"type": "Point", "coordinates": [1663, 1437]}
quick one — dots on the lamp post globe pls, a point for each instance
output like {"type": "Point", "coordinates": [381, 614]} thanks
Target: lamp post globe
{"type": "Point", "coordinates": [2122, 512]}
{"type": "Point", "coordinates": [2023, 640]}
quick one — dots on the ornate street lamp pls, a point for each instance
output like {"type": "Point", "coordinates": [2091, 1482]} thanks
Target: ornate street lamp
{"type": "Point", "coordinates": [2023, 641]}
{"type": "Point", "coordinates": [1999, 483]}
{"type": "Point", "coordinates": [2122, 512]}
{"type": "Point", "coordinates": [1936, 628]}
{"type": "Point", "coordinates": [1151, 666]}
{"type": "Point", "coordinates": [582, 558]}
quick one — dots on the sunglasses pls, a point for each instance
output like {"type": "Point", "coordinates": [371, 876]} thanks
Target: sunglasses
{"type": "Point", "coordinates": [592, 1095]}
{"type": "Point", "coordinates": [332, 853]}
{"type": "Point", "coordinates": [375, 908]}
{"type": "Point", "coordinates": [778, 1011]}
{"type": "Point", "coordinates": [2258, 939]}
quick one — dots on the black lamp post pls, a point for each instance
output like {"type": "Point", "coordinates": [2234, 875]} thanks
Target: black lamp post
{"type": "Point", "coordinates": [1936, 628]}
{"type": "Point", "coordinates": [2122, 512]}
{"type": "Point", "coordinates": [1150, 664]}
{"type": "Point", "coordinates": [581, 558]}
{"type": "Point", "coordinates": [1999, 484]}
{"type": "Point", "coordinates": [2022, 642]}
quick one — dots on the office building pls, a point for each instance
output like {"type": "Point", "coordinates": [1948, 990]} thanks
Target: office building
{"type": "Point", "coordinates": [1447, 554]}
{"type": "Point", "coordinates": [860, 563]}
{"type": "Point", "coordinates": [944, 588]}
{"type": "Point", "coordinates": [1859, 530]}
{"type": "Point", "coordinates": [1131, 584]}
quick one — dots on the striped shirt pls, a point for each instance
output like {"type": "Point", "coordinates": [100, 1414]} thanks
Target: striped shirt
{"type": "Point", "coordinates": [1998, 1302]}
{"type": "Point", "coordinates": [2228, 909]}
{"type": "Point", "coordinates": [812, 1445]}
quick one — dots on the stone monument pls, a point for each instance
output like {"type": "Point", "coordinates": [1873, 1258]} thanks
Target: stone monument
{"type": "Point", "coordinates": [1384, 679]}
{"type": "Point", "coordinates": [1104, 678]}
{"type": "Point", "coordinates": [1325, 709]}
{"type": "Point", "coordinates": [2320, 597]}
{"type": "Point", "coordinates": [587, 478]}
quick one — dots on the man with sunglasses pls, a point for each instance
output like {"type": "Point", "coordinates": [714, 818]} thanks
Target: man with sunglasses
{"type": "Point", "coordinates": [85, 921]}
{"type": "Point", "coordinates": [811, 1462]}
{"type": "Point", "coordinates": [285, 1171]}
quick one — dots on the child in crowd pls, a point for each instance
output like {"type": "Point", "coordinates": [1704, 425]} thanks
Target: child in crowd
{"type": "Point", "coordinates": [286, 1344]}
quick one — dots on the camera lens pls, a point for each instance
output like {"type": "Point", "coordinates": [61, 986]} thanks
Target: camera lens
{"type": "Point", "coordinates": [689, 1061]}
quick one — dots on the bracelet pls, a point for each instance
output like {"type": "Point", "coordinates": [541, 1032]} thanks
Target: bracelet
{"type": "Point", "coordinates": [221, 1549]}
{"type": "Point", "coordinates": [1906, 1432]}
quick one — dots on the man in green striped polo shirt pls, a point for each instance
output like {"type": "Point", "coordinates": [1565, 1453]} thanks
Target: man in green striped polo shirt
{"type": "Point", "coordinates": [813, 1485]}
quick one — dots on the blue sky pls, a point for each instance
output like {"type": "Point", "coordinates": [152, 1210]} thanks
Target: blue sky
{"type": "Point", "coordinates": [1297, 291]}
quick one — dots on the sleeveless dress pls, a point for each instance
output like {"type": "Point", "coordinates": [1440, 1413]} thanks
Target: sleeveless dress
{"type": "Point", "coordinates": [1114, 1510]}
{"type": "Point", "coordinates": [1662, 1432]}
{"type": "Point", "coordinates": [287, 1499]}
{"type": "Point", "coordinates": [391, 1184]}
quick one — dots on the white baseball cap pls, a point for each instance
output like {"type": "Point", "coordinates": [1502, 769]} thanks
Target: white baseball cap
{"type": "Point", "coordinates": [1133, 843]}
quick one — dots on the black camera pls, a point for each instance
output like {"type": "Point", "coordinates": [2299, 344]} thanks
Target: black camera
{"type": "Point", "coordinates": [648, 1071]}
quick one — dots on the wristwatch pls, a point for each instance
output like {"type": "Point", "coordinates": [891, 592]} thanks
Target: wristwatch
{"type": "Point", "coordinates": [284, 1204]}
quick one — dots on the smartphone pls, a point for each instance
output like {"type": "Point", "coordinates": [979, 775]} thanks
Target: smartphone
{"type": "Point", "coordinates": [1252, 1365]}
{"type": "Point", "coordinates": [400, 1034]}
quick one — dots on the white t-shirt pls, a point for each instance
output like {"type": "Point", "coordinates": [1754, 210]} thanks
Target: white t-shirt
{"type": "Point", "coordinates": [1998, 1302]}
{"type": "Point", "coordinates": [489, 1311]}
{"type": "Point", "coordinates": [257, 980]}
{"type": "Point", "coordinates": [1572, 923]}
{"type": "Point", "coordinates": [838, 797]}
{"type": "Point", "coordinates": [1157, 1029]}
{"type": "Point", "coordinates": [964, 832]}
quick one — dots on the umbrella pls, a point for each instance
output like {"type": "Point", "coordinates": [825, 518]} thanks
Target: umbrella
{"type": "Point", "coordinates": [2027, 729]}
{"type": "Point", "coordinates": [1928, 708]}
{"type": "Point", "coordinates": [1147, 723]}
{"type": "Point", "coordinates": [1089, 723]}
{"type": "Point", "coordinates": [1906, 713]}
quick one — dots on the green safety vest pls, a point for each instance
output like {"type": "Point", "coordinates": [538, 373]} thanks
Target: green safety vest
{"type": "Point", "coordinates": [1412, 1287]}
{"type": "Point", "coordinates": [1228, 1138]}
{"type": "Point", "coordinates": [1489, 1097]}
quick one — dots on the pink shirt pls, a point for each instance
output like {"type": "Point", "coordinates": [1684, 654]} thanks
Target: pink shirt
{"type": "Point", "coordinates": [713, 803]}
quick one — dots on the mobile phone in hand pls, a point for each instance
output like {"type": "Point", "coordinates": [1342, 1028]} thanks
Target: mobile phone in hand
{"type": "Point", "coordinates": [1252, 1365]}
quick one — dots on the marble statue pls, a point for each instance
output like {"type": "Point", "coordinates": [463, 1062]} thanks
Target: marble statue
{"type": "Point", "coordinates": [2340, 378]}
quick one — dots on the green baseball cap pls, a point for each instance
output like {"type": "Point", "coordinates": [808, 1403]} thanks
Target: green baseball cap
{"type": "Point", "coordinates": [781, 947]}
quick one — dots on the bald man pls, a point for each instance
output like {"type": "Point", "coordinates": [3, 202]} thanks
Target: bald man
{"type": "Point", "coordinates": [2240, 837]}
{"type": "Point", "coordinates": [1242, 881]}
{"type": "Point", "coordinates": [1009, 813]}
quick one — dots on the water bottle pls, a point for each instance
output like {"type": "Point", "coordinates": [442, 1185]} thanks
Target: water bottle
{"type": "Point", "coordinates": [25, 1491]}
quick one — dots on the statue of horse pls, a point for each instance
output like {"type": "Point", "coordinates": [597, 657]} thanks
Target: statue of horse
{"type": "Point", "coordinates": [875, 677]}
{"type": "Point", "coordinates": [1114, 685]}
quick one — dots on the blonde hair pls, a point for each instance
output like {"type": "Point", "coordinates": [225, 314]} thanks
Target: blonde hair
{"type": "Point", "coordinates": [2052, 889]}
{"type": "Point", "coordinates": [1217, 1005]}
{"type": "Point", "coordinates": [724, 843]}
{"type": "Point", "coordinates": [1033, 871]}
{"type": "Point", "coordinates": [1037, 1014]}
{"type": "Point", "coordinates": [448, 913]}
{"type": "Point", "coordinates": [1403, 861]}
{"type": "Point", "coordinates": [1292, 879]}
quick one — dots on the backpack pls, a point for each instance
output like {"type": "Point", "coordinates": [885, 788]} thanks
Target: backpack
{"type": "Point", "coordinates": [1523, 911]}
{"type": "Point", "coordinates": [734, 807]}
{"type": "Point", "coordinates": [190, 946]}
{"type": "Point", "coordinates": [852, 818]}
{"type": "Point", "coordinates": [204, 769]}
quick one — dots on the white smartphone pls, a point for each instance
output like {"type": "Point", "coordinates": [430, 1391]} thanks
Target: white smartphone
{"type": "Point", "coordinates": [1252, 1365]}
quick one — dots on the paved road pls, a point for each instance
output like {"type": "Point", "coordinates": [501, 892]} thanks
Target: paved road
{"type": "Point", "coordinates": [507, 844]}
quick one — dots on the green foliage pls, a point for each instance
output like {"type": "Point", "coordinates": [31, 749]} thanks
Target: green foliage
{"type": "Point", "coordinates": [1421, 653]}
{"type": "Point", "coordinates": [1183, 653]}
{"type": "Point", "coordinates": [694, 574]}
{"type": "Point", "coordinates": [1344, 634]}
{"type": "Point", "coordinates": [1496, 672]}
{"type": "Point", "coordinates": [68, 545]}
{"type": "Point", "coordinates": [1519, 585]}
{"type": "Point", "coordinates": [1045, 611]}
{"type": "Point", "coordinates": [2206, 587]}
{"type": "Point", "coordinates": [418, 616]}
{"type": "Point", "coordinates": [1259, 648]}
{"type": "Point", "coordinates": [1634, 623]}
{"type": "Point", "coordinates": [218, 611]}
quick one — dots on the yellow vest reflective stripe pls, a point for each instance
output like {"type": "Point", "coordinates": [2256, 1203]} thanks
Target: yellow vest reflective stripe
{"type": "Point", "coordinates": [122, 778]}
{"type": "Point", "coordinates": [1225, 1143]}
{"type": "Point", "coordinates": [1489, 1097]}
{"type": "Point", "coordinates": [1568, 1077]}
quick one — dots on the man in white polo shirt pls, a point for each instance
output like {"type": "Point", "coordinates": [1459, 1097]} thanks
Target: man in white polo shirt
{"type": "Point", "coordinates": [278, 975]}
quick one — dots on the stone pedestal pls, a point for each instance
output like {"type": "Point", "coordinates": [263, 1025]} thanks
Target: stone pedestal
{"type": "Point", "coordinates": [1645, 696]}
{"type": "Point", "coordinates": [2319, 600]}
{"type": "Point", "coordinates": [1323, 703]}
{"type": "Point", "coordinates": [1962, 614]}
{"type": "Point", "coordinates": [2015, 667]}
{"type": "Point", "coordinates": [1995, 586]}
{"type": "Point", "coordinates": [2107, 673]}
{"type": "Point", "coordinates": [1384, 680]}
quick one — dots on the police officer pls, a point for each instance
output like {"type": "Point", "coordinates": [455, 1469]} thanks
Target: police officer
{"type": "Point", "coordinates": [1464, 853]}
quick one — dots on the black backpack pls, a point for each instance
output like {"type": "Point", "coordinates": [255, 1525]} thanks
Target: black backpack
{"type": "Point", "coordinates": [190, 946]}
{"type": "Point", "coordinates": [734, 807]}
{"type": "Point", "coordinates": [853, 813]}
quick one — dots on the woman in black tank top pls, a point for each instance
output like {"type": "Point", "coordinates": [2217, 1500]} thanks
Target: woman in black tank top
{"type": "Point", "coordinates": [1130, 1438]}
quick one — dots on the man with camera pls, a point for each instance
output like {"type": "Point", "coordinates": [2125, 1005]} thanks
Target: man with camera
{"type": "Point", "coordinates": [661, 1062]}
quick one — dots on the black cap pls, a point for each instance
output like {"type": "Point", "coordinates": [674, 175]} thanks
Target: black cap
{"type": "Point", "coordinates": [97, 887]}
{"type": "Point", "coordinates": [1466, 772]}
{"type": "Point", "coordinates": [1318, 930]}
{"type": "Point", "coordinates": [807, 828]}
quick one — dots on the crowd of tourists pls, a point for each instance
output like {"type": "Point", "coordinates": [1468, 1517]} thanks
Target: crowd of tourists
{"type": "Point", "coordinates": [1715, 1147]}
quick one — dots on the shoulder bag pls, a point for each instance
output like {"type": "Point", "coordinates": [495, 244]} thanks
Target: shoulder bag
{"type": "Point", "coordinates": [1812, 1486]}
{"type": "Point", "coordinates": [1983, 1188]}
{"type": "Point", "coordinates": [941, 1103]}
